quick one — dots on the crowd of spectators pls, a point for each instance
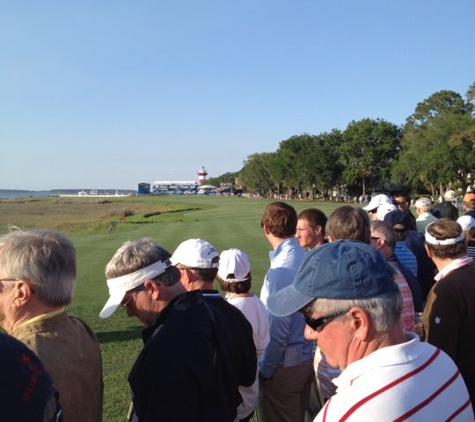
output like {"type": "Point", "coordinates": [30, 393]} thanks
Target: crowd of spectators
{"type": "Point", "coordinates": [331, 336]}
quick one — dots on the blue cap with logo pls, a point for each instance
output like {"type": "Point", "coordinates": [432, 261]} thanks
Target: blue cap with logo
{"type": "Point", "coordinates": [26, 388]}
{"type": "Point", "coordinates": [345, 269]}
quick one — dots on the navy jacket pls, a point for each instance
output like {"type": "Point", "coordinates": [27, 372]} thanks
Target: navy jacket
{"type": "Point", "coordinates": [186, 370]}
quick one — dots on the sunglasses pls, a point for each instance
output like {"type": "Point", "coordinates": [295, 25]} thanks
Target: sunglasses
{"type": "Point", "coordinates": [318, 324]}
{"type": "Point", "coordinates": [133, 291]}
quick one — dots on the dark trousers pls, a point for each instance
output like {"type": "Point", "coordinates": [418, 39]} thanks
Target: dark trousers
{"type": "Point", "coordinates": [285, 396]}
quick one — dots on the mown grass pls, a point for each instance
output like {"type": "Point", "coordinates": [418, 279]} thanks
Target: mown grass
{"type": "Point", "coordinates": [224, 221]}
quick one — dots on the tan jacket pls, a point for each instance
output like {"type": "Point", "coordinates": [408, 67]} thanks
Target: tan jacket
{"type": "Point", "coordinates": [70, 351]}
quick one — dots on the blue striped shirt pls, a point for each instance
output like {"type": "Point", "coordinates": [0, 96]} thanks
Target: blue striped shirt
{"type": "Point", "coordinates": [406, 257]}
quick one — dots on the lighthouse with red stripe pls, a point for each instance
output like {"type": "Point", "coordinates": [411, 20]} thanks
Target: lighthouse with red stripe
{"type": "Point", "coordinates": [202, 173]}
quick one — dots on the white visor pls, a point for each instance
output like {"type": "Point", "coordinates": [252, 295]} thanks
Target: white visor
{"type": "Point", "coordinates": [119, 286]}
{"type": "Point", "coordinates": [433, 241]}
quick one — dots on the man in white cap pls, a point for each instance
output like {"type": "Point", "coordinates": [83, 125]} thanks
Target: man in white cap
{"type": "Point", "coordinates": [375, 202]}
{"type": "Point", "coordinates": [186, 369]}
{"type": "Point", "coordinates": [198, 260]}
{"type": "Point", "coordinates": [234, 277]}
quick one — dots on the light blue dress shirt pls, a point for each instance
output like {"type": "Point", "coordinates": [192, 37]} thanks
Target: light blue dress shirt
{"type": "Point", "coordinates": [288, 346]}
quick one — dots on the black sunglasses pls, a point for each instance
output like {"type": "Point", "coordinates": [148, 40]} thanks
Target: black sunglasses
{"type": "Point", "coordinates": [318, 324]}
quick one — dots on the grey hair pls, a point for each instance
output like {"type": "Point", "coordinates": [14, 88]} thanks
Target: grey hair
{"type": "Point", "coordinates": [385, 310]}
{"type": "Point", "coordinates": [45, 258]}
{"type": "Point", "coordinates": [134, 255]}
{"type": "Point", "coordinates": [424, 204]}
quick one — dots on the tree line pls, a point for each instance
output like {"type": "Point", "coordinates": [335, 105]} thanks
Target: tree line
{"type": "Point", "coordinates": [432, 151]}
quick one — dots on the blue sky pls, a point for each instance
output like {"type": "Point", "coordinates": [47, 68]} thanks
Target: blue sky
{"type": "Point", "coordinates": [110, 93]}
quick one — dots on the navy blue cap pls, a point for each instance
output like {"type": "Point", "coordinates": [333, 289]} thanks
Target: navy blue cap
{"type": "Point", "coordinates": [26, 388]}
{"type": "Point", "coordinates": [398, 218]}
{"type": "Point", "coordinates": [345, 269]}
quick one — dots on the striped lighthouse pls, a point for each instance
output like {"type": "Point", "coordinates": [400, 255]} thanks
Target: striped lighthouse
{"type": "Point", "coordinates": [202, 173]}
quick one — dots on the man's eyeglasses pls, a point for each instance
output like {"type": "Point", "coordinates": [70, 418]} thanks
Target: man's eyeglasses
{"type": "Point", "coordinates": [136, 290]}
{"type": "Point", "coordinates": [318, 324]}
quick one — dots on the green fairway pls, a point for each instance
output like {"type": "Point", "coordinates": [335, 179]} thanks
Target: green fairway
{"type": "Point", "coordinates": [224, 221]}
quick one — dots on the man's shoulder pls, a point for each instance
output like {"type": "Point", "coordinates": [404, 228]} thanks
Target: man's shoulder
{"type": "Point", "coordinates": [444, 204]}
{"type": "Point", "coordinates": [62, 325]}
{"type": "Point", "coordinates": [402, 247]}
{"type": "Point", "coordinates": [288, 256]}
{"type": "Point", "coordinates": [60, 340]}
{"type": "Point", "coordinates": [234, 317]}
{"type": "Point", "coordinates": [424, 216]}
{"type": "Point", "coordinates": [252, 302]}
{"type": "Point", "coordinates": [188, 313]}
{"type": "Point", "coordinates": [290, 246]}
{"type": "Point", "coordinates": [224, 306]}
{"type": "Point", "coordinates": [462, 276]}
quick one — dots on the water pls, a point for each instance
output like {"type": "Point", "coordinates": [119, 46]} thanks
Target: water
{"type": "Point", "coordinates": [12, 193]}
{"type": "Point", "coordinates": [16, 193]}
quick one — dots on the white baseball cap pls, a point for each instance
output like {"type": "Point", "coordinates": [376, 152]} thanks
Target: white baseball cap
{"type": "Point", "coordinates": [383, 209]}
{"type": "Point", "coordinates": [195, 253]}
{"type": "Point", "coordinates": [234, 262]}
{"type": "Point", "coordinates": [376, 201]}
{"type": "Point", "coordinates": [466, 221]}
{"type": "Point", "coordinates": [449, 195]}
{"type": "Point", "coordinates": [119, 286]}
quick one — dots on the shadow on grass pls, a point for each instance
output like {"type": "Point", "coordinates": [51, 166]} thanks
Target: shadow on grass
{"type": "Point", "coordinates": [119, 336]}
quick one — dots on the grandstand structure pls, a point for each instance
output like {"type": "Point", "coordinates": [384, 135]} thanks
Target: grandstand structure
{"type": "Point", "coordinates": [175, 187]}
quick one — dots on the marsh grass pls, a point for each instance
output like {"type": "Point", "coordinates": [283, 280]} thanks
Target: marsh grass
{"type": "Point", "coordinates": [77, 215]}
{"type": "Point", "coordinates": [224, 221]}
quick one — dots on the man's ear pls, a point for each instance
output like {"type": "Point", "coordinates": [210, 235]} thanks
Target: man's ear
{"type": "Point", "coordinates": [189, 275]}
{"type": "Point", "coordinates": [23, 291]}
{"type": "Point", "coordinates": [429, 253]}
{"type": "Point", "coordinates": [380, 243]}
{"type": "Point", "coordinates": [266, 229]}
{"type": "Point", "coordinates": [187, 278]}
{"type": "Point", "coordinates": [360, 322]}
{"type": "Point", "coordinates": [152, 288]}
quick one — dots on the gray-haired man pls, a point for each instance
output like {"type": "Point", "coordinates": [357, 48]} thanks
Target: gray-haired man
{"type": "Point", "coordinates": [345, 292]}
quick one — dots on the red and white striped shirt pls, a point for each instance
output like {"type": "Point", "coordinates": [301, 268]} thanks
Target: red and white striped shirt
{"type": "Point", "coordinates": [412, 381]}
{"type": "Point", "coordinates": [407, 311]}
